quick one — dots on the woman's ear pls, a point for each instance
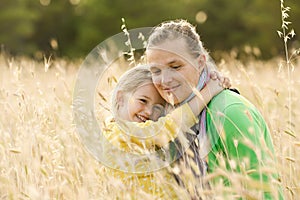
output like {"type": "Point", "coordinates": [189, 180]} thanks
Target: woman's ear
{"type": "Point", "coordinates": [201, 60]}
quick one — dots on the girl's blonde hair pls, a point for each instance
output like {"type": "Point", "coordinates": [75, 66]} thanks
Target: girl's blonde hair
{"type": "Point", "coordinates": [129, 82]}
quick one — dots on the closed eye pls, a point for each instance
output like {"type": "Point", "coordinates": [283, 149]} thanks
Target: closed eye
{"type": "Point", "coordinates": [155, 70]}
{"type": "Point", "coordinates": [176, 67]}
{"type": "Point", "coordinates": [143, 101]}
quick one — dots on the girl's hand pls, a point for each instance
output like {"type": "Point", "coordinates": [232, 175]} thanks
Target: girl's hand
{"type": "Point", "coordinates": [214, 86]}
{"type": "Point", "coordinates": [217, 83]}
{"type": "Point", "coordinates": [223, 81]}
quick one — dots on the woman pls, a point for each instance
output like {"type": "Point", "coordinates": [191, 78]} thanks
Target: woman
{"type": "Point", "coordinates": [231, 132]}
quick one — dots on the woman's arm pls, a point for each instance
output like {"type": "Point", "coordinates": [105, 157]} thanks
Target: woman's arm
{"type": "Point", "coordinates": [246, 142]}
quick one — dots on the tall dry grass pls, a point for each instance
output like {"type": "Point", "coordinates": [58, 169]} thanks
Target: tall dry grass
{"type": "Point", "coordinates": [43, 158]}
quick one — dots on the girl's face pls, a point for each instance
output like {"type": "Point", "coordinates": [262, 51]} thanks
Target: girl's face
{"type": "Point", "coordinates": [140, 105]}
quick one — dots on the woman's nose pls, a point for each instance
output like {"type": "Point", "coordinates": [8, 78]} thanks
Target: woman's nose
{"type": "Point", "coordinates": [166, 76]}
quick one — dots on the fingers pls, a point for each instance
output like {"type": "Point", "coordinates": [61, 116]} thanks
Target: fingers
{"type": "Point", "coordinates": [214, 75]}
{"type": "Point", "coordinates": [223, 81]}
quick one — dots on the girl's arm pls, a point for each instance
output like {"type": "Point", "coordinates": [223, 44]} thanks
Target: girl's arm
{"type": "Point", "coordinates": [214, 86]}
{"type": "Point", "coordinates": [161, 132]}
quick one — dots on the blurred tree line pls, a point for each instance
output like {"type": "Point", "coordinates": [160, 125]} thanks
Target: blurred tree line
{"type": "Point", "coordinates": [72, 28]}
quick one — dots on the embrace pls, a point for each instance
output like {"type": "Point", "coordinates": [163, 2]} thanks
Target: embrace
{"type": "Point", "coordinates": [178, 103]}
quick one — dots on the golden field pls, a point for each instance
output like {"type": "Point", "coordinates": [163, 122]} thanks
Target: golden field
{"type": "Point", "coordinates": [42, 156]}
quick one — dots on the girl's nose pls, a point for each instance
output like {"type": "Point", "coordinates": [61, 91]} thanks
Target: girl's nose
{"type": "Point", "coordinates": [148, 110]}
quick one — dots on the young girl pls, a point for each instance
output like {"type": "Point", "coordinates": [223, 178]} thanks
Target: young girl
{"type": "Point", "coordinates": [137, 128]}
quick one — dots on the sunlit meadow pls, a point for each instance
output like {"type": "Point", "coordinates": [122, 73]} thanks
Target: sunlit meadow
{"type": "Point", "coordinates": [42, 156]}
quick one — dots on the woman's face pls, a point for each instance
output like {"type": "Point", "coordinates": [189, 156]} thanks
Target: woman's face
{"type": "Point", "coordinates": [140, 105]}
{"type": "Point", "coordinates": [174, 71]}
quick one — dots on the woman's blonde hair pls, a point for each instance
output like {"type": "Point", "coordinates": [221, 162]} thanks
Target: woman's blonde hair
{"type": "Point", "coordinates": [129, 82]}
{"type": "Point", "coordinates": [180, 29]}
{"type": "Point", "coordinates": [175, 29]}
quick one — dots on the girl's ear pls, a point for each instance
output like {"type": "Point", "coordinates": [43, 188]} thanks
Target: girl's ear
{"type": "Point", "coordinates": [120, 98]}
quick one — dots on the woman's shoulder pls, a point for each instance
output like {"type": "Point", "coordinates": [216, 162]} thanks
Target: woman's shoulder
{"type": "Point", "coordinates": [225, 98]}
{"type": "Point", "coordinates": [231, 103]}
{"type": "Point", "coordinates": [228, 98]}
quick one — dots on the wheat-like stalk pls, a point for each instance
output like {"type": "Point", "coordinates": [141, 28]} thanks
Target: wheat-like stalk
{"type": "Point", "coordinates": [287, 34]}
{"type": "Point", "coordinates": [131, 58]}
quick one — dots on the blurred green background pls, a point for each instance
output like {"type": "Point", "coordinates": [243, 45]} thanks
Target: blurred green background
{"type": "Point", "coordinates": [72, 28]}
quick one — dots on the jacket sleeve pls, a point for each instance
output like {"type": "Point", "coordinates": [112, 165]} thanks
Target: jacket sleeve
{"type": "Point", "coordinates": [158, 133]}
{"type": "Point", "coordinates": [248, 149]}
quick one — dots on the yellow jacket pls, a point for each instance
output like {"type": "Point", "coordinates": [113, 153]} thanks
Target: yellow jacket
{"type": "Point", "coordinates": [140, 139]}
